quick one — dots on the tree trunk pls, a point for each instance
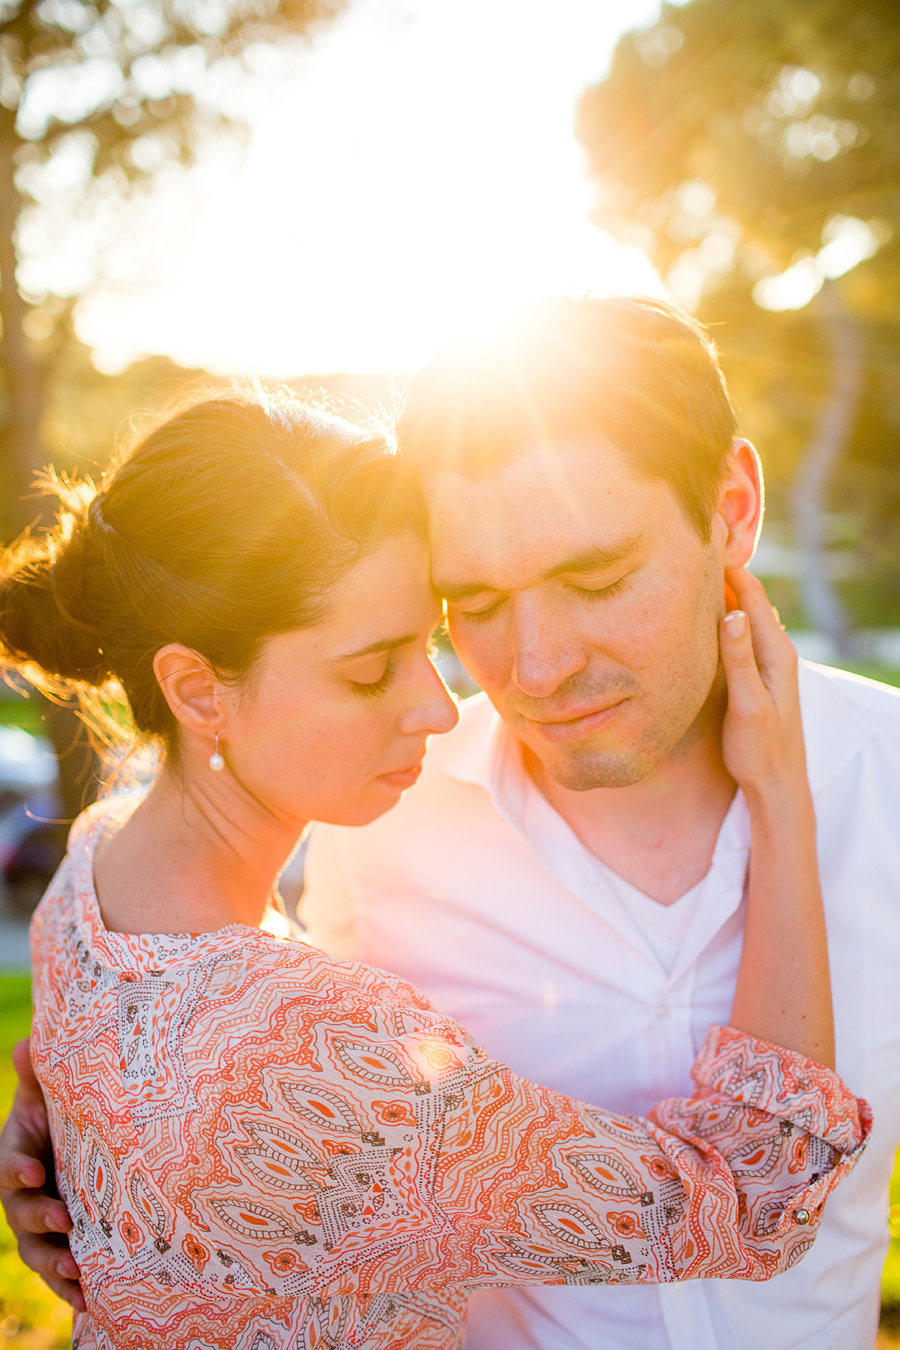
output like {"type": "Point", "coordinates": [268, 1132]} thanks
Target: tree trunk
{"type": "Point", "coordinates": [79, 766]}
{"type": "Point", "coordinates": [24, 453]}
{"type": "Point", "coordinates": [812, 482]}
{"type": "Point", "coordinates": [23, 369]}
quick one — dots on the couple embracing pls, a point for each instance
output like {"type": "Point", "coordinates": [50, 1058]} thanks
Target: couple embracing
{"type": "Point", "coordinates": [604, 1057]}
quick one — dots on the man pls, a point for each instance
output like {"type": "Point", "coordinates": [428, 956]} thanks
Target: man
{"type": "Point", "coordinates": [567, 878]}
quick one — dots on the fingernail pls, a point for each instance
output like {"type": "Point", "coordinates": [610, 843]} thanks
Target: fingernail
{"type": "Point", "coordinates": [67, 1269]}
{"type": "Point", "coordinates": [23, 1179]}
{"type": "Point", "coordinates": [735, 623]}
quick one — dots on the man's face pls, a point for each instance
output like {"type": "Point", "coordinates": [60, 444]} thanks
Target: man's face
{"type": "Point", "coordinates": [584, 602]}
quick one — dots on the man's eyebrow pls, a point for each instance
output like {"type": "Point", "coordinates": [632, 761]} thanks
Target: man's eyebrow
{"type": "Point", "coordinates": [595, 559]}
{"type": "Point", "coordinates": [383, 645]}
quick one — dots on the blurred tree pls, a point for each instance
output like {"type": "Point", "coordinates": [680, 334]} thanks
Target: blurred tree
{"type": "Point", "coordinates": [97, 97]}
{"type": "Point", "coordinates": [752, 148]}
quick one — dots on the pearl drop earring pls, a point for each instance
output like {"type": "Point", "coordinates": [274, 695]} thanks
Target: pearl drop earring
{"type": "Point", "coordinates": [216, 762]}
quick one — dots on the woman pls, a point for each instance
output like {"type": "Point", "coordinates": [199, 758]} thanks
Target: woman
{"type": "Point", "coordinates": [261, 1147]}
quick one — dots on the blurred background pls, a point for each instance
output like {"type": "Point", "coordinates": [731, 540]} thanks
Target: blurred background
{"type": "Point", "coordinates": [321, 192]}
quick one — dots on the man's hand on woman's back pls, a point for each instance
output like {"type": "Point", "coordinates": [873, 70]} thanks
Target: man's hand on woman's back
{"type": "Point", "coordinates": [38, 1219]}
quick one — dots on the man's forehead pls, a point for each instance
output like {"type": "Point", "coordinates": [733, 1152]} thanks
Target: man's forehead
{"type": "Point", "coordinates": [538, 465]}
{"type": "Point", "coordinates": [560, 487]}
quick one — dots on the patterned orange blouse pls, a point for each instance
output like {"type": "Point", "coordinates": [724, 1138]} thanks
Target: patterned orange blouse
{"type": "Point", "coordinates": [263, 1148]}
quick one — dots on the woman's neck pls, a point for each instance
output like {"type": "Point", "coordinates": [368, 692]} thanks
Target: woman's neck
{"type": "Point", "coordinates": [195, 856]}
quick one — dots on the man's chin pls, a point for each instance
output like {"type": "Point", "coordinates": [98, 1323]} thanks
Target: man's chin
{"type": "Point", "coordinates": [584, 769]}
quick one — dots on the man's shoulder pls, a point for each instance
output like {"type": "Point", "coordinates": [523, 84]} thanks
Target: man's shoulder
{"type": "Point", "coordinates": [845, 716]}
{"type": "Point", "coordinates": [827, 688]}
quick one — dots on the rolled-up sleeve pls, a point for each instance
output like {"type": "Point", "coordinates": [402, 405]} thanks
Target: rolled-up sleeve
{"type": "Point", "coordinates": [729, 1183]}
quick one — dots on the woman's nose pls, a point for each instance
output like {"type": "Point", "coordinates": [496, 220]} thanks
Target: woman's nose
{"type": "Point", "coordinates": [434, 711]}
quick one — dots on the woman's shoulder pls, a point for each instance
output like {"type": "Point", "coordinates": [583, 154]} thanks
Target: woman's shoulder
{"type": "Point", "coordinates": [298, 969]}
{"type": "Point", "coordinates": [286, 993]}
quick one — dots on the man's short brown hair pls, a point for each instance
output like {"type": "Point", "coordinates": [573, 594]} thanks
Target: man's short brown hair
{"type": "Point", "coordinates": [634, 369]}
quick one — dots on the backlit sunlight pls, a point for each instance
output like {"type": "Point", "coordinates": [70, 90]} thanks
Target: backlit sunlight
{"type": "Point", "coordinates": [415, 174]}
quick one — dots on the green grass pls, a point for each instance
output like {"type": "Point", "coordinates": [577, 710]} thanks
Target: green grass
{"type": "Point", "coordinates": [31, 1317]}
{"type": "Point", "coordinates": [20, 712]}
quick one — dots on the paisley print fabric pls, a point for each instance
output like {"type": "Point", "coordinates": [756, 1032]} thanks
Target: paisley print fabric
{"type": "Point", "coordinates": [263, 1148]}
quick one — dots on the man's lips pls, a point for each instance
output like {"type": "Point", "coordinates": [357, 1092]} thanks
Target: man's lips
{"type": "Point", "coordinates": [575, 727]}
{"type": "Point", "coordinates": [402, 778]}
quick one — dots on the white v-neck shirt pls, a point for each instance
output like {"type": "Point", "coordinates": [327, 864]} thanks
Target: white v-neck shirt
{"type": "Point", "coordinates": [476, 890]}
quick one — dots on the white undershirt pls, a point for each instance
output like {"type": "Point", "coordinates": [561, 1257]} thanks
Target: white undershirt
{"type": "Point", "coordinates": [663, 927]}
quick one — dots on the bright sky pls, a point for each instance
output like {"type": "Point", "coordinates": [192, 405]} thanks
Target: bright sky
{"type": "Point", "coordinates": [416, 176]}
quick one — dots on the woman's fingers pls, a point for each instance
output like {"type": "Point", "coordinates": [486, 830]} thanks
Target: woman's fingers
{"type": "Point", "coordinates": [762, 736]}
{"type": "Point", "coordinates": [38, 1219]}
{"type": "Point", "coordinates": [21, 1058]}
{"type": "Point", "coordinates": [18, 1170]}
{"type": "Point", "coordinates": [775, 656]}
{"type": "Point", "coordinates": [56, 1267]}
{"type": "Point", "coordinates": [36, 1213]}
{"type": "Point", "coordinates": [747, 694]}
{"type": "Point", "coordinates": [25, 1139]}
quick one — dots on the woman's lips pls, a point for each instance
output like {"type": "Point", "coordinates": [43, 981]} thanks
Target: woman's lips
{"type": "Point", "coordinates": [402, 778]}
{"type": "Point", "coordinates": [576, 728]}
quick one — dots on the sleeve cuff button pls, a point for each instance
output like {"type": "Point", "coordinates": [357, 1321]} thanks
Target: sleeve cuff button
{"type": "Point", "coordinates": [801, 1216]}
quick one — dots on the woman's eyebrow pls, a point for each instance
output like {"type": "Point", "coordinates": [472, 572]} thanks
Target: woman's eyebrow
{"type": "Point", "coordinates": [383, 645]}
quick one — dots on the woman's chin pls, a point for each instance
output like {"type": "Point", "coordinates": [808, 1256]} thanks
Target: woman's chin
{"type": "Point", "coordinates": [379, 798]}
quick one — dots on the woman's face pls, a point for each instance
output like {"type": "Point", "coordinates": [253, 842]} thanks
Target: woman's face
{"type": "Point", "coordinates": [333, 724]}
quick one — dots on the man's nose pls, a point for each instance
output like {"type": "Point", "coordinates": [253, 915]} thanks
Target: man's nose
{"type": "Point", "coordinates": [546, 650]}
{"type": "Point", "coordinates": [434, 710]}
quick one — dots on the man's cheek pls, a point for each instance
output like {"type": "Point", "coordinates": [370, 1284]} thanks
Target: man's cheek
{"type": "Point", "coordinates": [477, 652]}
{"type": "Point", "coordinates": [641, 632]}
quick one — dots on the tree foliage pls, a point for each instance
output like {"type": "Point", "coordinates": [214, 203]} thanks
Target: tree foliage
{"type": "Point", "coordinates": [97, 96]}
{"type": "Point", "coordinates": [737, 141]}
{"type": "Point", "coordinates": [735, 132]}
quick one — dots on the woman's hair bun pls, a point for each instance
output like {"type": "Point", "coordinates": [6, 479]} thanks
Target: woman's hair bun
{"type": "Point", "coordinates": [226, 522]}
{"type": "Point", "coordinates": [42, 614]}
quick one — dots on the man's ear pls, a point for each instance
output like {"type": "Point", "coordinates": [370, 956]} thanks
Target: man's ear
{"type": "Point", "coordinates": [741, 503]}
{"type": "Point", "coordinates": [190, 688]}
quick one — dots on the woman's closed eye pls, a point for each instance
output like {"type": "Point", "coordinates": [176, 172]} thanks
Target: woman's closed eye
{"type": "Point", "coordinates": [369, 688]}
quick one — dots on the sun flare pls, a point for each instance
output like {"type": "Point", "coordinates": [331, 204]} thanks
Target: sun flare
{"type": "Point", "coordinates": [417, 178]}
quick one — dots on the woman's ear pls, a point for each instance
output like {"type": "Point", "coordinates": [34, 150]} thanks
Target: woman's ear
{"type": "Point", "coordinates": [741, 503]}
{"type": "Point", "coordinates": [190, 688]}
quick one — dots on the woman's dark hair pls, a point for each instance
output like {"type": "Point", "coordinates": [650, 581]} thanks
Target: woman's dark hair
{"type": "Point", "coordinates": [229, 522]}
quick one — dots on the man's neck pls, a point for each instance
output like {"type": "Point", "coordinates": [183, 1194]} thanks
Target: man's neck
{"type": "Point", "coordinates": [658, 834]}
